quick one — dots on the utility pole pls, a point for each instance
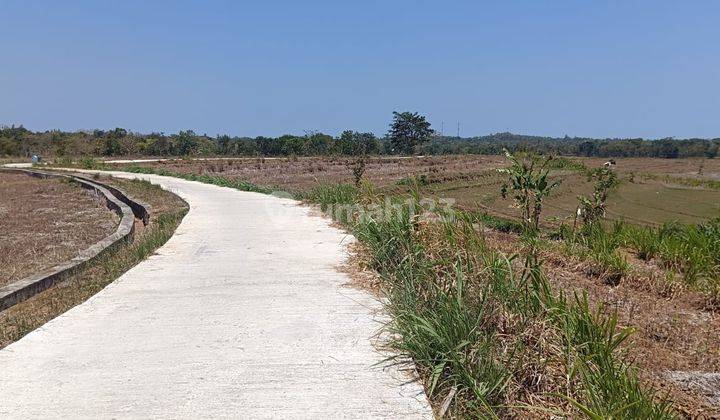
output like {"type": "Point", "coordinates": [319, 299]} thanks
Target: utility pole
{"type": "Point", "coordinates": [442, 128]}
{"type": "Point", "coordinates": [458, 132]}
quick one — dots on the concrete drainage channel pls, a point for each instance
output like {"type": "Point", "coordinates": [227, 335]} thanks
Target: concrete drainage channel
{"type": "Point", "coordinates": [116, 201]}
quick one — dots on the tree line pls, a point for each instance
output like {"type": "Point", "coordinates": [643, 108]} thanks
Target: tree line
{"type": "Point", "coordinates": [669, 148]}
{"type": "Point", "coordinates": [409, 133]}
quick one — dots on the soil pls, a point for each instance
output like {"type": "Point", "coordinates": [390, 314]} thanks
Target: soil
{"type": "Point", "coordinates": [44, 222]}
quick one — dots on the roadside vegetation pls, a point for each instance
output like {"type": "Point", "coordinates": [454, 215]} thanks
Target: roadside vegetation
{"type": "Point", "coordinates": [485, 330]}
{"type": "Point", "coordinates": [167, 210]}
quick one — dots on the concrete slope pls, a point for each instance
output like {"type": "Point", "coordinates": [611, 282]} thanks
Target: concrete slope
{"type": "Point", "coordinates": [241, 314]}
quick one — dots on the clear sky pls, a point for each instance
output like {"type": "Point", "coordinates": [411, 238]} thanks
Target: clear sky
{"type": "Point", "coordinates": [586, 68]}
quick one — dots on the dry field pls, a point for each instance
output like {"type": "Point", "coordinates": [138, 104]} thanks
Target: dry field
{"type": "Point", "coordinates": [44, 222]}
{"type": "Point", "coordinates": [652, 191]}
{"type": "Point", "coordinates": [166, 212]}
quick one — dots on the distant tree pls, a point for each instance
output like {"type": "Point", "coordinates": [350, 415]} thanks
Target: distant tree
{"type": "Point", "coordinates": [268, 146]}
{"type": "Point", "coordinates": [292, 145]}
{"type": "Point", "coordinates": [186, 142]}
{"type": "Point", "coordinates": [352, 143]}
{"type": "Point", "coordinates": [407, 131]}
{"type": "Point", "coordinates": [7, 147]}
{"type": "Point", "coordinates": [160, 146]}
{"type": "Point", "coordinates": [587, 148]}
{"type": "Point", "coordinates": [712, 150]}
{"type": "Point", "coordinates": [224, 145]}
{"type": "Point", "coordinates": [668, 149]}
{"type": "Point", "coordinates": [318, 144]}
{"type": "Point", "coordinates": [117, 133]}
{"type": "Point", "coordinates": [111, 146]}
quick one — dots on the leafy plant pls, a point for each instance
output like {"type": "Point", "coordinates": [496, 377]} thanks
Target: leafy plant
{"type": "Point", "coordinates": [529, 184]}
{"type": "Point", "coordinates": [592, 209]}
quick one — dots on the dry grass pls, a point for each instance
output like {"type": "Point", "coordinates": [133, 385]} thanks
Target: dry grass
{"type": "Point", "coordinates": [300, 174]}
{"type": "Point", "coordinates": [44, 222]}
{"type": "Point", "coordinates": [167, 212]}
{"type": "Point", "coordinates": [473, 182]}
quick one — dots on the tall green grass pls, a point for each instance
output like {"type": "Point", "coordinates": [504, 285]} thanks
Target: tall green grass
{"type": "Point", "coordinates": [489, 332]}
{"type": "Point", "coordinates": [691, 250]}
{"type": "Point", "coordinates": [599, 246]}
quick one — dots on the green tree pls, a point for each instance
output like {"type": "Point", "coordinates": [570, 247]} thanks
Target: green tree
{"type": "Point", "coordinates": [224, 145]}
{"type": "Point", "coordinates": [352, 143]}
{"type": "Point", "coordinates": [407, 131]}
{"type": "Point", "coordinates": [186, 143]}
{"type": "Point", "coordinates": [318, 144]}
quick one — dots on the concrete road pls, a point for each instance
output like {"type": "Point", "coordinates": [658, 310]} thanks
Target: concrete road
{"type": "Point", "coordinates": [241, 314]}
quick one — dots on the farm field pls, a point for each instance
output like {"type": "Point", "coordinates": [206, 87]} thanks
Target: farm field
{"type": "Point", "coordinates": [44, 222]}
{"type": "Point", "coordinates": [651, 191]}
{"type": "Point", "coordinates": [65, 219]}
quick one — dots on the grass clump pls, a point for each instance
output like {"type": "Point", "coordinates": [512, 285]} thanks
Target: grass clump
{"type": "Point", "coordinates": [567, 164]}
{"type": "Point", "coordinates": [693, 251]}
{"type": "Point", "coordinates": [600, 247]}
{"type": "Point", "coordinates": [499, 223]}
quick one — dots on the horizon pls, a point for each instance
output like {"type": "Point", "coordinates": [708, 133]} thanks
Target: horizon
{"type": "Point", "coordinates": [379, 136]}
{"type": "Point", "coordinates": [642, 70]}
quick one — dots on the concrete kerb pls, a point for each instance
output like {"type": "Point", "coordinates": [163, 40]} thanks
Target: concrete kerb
{"type": "Point", "coordinates": [29, 286]}
{"type": "Point", "coordinates": [140, 209]}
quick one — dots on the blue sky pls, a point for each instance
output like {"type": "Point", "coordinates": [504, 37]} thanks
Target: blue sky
{"type": "Point", "coordinates": [586, 68]}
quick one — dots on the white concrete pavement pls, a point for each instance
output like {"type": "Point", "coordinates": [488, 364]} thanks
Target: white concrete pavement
{"type": "Point", "coordinates": [242, 314]}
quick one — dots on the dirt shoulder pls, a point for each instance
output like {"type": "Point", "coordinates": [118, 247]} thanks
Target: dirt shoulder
{"type": "Point", "coordinates": [44, 222]}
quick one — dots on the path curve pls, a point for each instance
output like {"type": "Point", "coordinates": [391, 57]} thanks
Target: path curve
{"type": "Point", "coordinates": [242, 313]}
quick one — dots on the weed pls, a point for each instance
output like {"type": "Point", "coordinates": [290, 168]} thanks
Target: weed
{"type": "Point", "coordinates": [421, 180]}
{"type": "Point", "coordinates": [358, 170]}
{"type": "Point", "coordinates": [568, 164]}
{"type": "Point", "coordinates": [592, 209]}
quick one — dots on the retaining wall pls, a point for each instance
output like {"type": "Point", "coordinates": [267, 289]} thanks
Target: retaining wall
{"type": "Point", "coordinates": [126, 208]}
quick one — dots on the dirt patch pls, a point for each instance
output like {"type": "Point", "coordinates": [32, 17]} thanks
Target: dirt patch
{"type": "Point", "coordinates": [44, 222]}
